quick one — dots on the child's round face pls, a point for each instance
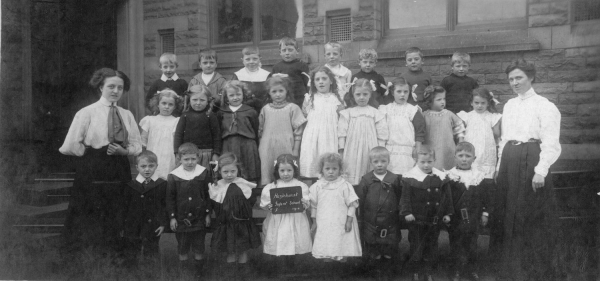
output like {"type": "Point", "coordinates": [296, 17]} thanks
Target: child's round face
{"type": "Point", "coordinates": [166, 106]}
{"type": "Point", "coordinates": [198, 101]}
{"type": "Point", "coordinates": [425, 163]}
{"type": "Point", "coordinates": [208, 65]}
{"type": "Point", "coordinates": [367, 64]}
{"type": "Point", "coordinates": [234, 97]}
{"type": "Point", "coordinates": [251, 62]}
{"type": "Point", "coordinates": [401, 93]}
{"type": "Point", "coordinates": [380, 164]}
{"type": "Point", "coordinates": [479, 104]}
{"type": "Point", "coordinates": [286, 171]}
{"type": "Point", "coordinates": [362, 95]}
{"type": "Point", "coordinates": [229, 172]}
{"type": "Point", "coordinates": [146, 168]}
{"type": "Point", "coordinates": [460, 68]}
{"type": "Point", "coordinates": [464, 159]}
{"type": "Point", "coordinates": [189, 161]}
{"type": "Point", "coordinates": [332, 55]}
{"type": "Point", "coordinates": [331, 171]}
{"type": "Point", "coordinates": [414, 61]}
{"type": "Point", "coordinates": [288, 53]}
{"type": "Point", "coordinates": [322, 82]}
{"type": "Point", "coordinates": [439, 102]}
{"type": "Point", "coordinates": [168, 68]}
{"type": "Point", "coordinates": [112, 89]}
{"type": "Point", "coordinates": [278, 93]}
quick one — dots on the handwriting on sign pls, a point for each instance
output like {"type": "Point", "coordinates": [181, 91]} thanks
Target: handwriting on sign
{"type": "Point", "coordinates": [287, 200]}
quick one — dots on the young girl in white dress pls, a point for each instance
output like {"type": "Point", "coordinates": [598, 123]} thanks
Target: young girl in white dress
{"type": "Point", "coordinates": [360, 128]}
{"type": "Point", "coordinates": [406, 125]}
{"type": "Point", "coordinates": [286, 234]}
{"type": "Point", "coordinates": [483, 129]}
{"type": "Point", "coordinates": [280, 126]}
{"type": "Point", "coordinates": [321, 107]}
{"type": "Point", "coordinates": [157, 131]}
{"type": "Point", "coordinates": [333, 205]}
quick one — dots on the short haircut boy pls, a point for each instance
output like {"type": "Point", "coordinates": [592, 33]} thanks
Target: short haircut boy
{"type": "Point", "coordinates": [379, 151]}
{"type": "Point", "coordinates": [367, 54]}
{"type": "Point", "coordinates": [426, 151]}
{"type": "Point", "coordinates": [465, 146]}
{"type": "Point", "coordinates": [148, 156]}
{"type": "Point", "coordinates": [461, 57]}
{"type": "Point", "coordinates": [250, 50]}
{"type": "Point", "coordinates": [207, 54]}
{"type": "Point", "coordinates": [413, 50]}
{"type": "Point", "coordinates": [168, 58]}
{"type": "Point", "coordinates": [188, 148]}
{"type": "Point", "coordinates": [288, 41]}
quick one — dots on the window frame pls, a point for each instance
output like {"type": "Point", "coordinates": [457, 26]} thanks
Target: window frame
{"type": "Point", "coordinates": [256, 30]}
{"type": "Point", "coordinates": [329, 15]}
{"type": "Point", "coordinates": [452, 25]}
{"type": "Point", "coordinates": [163, 33]}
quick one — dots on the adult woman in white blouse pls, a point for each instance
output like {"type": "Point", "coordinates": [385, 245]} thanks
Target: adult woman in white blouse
{"type": "Point", "coordinates": [101, 137]}
{"type": "Point", "coordinates": [529, 146]}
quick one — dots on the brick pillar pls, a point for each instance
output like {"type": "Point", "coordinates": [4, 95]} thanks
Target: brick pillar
{"type": "Point", "coordinates": [367, 23]}
{"type": "Point", "coordinates": [548, 13]}
{"type": "Point", "coordinates": [315, 32]}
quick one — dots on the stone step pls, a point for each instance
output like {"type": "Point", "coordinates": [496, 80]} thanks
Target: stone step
{"type": "Point", "coordinates": [43, 193]}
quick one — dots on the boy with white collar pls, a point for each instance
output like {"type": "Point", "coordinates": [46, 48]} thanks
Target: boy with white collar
{"type": "Point", "coordinates": [143, 218]}
{"type": "Point", "coordinates": [188, 204]}
{"type": "Point", "coordinates": [168, 80]}
{"type": "Point", "coordinates": [254, 77]}
{"type": "Point", "coordinates": [470, 196]}
{"type": "Point", "coordinates": [424, 206]}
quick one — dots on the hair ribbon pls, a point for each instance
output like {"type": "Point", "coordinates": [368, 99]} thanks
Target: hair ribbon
{"type": "Point", "coordinates": [305, 74]}
{"type": "Point", "coordinates": [496, 102]}
{"type": "Point", "coordinates": [386, 87]}
{"type": "Point", "coordinates": [414, 95]}
{"type": "Point", "coordinates": [373, 87]}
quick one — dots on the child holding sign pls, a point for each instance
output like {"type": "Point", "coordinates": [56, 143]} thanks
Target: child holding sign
{"type": "Point", "coordinates": [286, 234]}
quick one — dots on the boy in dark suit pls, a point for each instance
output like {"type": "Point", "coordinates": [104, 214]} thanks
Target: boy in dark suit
{"type": "Point", "coordinates": [470, 191]}
{"type": "Point", "coordinates": [422, 206]}
{"type": "Point", "coordinates": [143, 217]}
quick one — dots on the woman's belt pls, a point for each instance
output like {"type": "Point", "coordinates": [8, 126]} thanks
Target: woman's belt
{"type": "Point", "coordinates": [515, 142]}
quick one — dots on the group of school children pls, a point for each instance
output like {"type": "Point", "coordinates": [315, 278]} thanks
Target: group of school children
{"type": "Point", "coordinates": [385, 155]}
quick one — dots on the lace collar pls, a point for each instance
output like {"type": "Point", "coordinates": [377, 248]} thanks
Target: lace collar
{"type": "Point", "coordinates": [467, 177]}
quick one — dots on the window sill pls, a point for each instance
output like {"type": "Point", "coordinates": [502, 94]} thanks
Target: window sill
{"type": "Point", "coordinates": [433, 44]}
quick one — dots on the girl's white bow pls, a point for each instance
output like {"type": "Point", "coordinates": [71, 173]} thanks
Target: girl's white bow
{"type": "Point", "coordinates": [305, 74]}
{"type": "Point", "coordinates": [496, 102]}
{"type": "Point", "coordinates": [414, 87]}
{"type": "Point", "coordinates": [373, 87]}
{"type": "Point", "coordinates": [386, 87]}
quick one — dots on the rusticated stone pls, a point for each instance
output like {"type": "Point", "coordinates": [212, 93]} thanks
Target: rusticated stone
{"type": "Point", "coordinates": [485, 68]}
{"type": "Point", "coordinates": [592, 109]}
{"type": "Point", "coordinates": [570, 136]}
{"type": "Point", "coordinates": [573, 75]}
{"type": "Point", "coordinates": [548, 8]}
{"type": "Point", "coordinates": [593, 62]}
{"type": "Point", "coordinates": [567, 109]}
{"type": "Point", "coordinates": [501, 89]}
{"type": "Point", "coordinates": [363, 36]}
{"type": "Point", "coordinates": [496, 78]}
{"type": "Point", "coordinates": [314, 40]}
{"type": "Point", "coordinates": [578, 98]}
{"type": "Point", "coordinates": [545, 54]}
{"type": "Point", "coordinates": [561, 64]}
{"type": "Point", "coordinates": [550, 88]}
{"type": "Point", "coordinates": [548, 20]}
{"type": "Point", "coordinates": [590, 136]}
{"type": "Point", "coordinates": [583, 52]}
{"type": "Point", "coordinates": [593, 86]}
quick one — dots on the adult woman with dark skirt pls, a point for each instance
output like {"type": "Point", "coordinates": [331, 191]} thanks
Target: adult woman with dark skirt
{"type": "Point", "coordinates": [529, 146]}
{"type": "Point", "coordinates": [101, 137]}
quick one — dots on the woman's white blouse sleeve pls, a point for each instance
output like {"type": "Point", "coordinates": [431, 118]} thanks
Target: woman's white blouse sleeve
{"type": "Point", "coordinates": [73, 144]}
{"type": "Point", "coordinates": [549, 135]}
{"type": "Point", "coordinates": [134, 145]}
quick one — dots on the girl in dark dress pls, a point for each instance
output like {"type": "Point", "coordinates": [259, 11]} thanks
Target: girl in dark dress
{"type": "Point", "coordinates": [101, 137]}
{"type": "Point", "coordinates": [235, 232]}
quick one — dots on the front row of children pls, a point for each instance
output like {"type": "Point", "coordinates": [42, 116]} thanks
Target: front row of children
{"type": "Point", "coordinates": [424, 198]}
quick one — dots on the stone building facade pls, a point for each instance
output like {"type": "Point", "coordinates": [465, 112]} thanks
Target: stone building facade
{"type": "Point", "coordinates": [551, 33]}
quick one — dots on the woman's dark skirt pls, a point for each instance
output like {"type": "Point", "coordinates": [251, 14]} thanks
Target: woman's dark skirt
{"type": "Point", "coordinates": [529, 219]}
{"type": "Point", "coordinates": [247, 152]}
{"type": "Point", "coordinates": [95, 201]}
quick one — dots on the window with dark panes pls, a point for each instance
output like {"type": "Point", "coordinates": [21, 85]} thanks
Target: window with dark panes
{"type": "Point", "coordinates": [234, 22]}
{"type": "Point", "coordinates": [278, 19]}
{"type": "Point", "coordinates": [254, 21]}
{"type": "Point", "coordinates": [583, 10]}
{"type": "Point", "coordinates": [167, 40]}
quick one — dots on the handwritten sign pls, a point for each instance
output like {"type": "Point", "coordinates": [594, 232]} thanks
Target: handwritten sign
{"type": "Point", "coordinates": [287, 200]}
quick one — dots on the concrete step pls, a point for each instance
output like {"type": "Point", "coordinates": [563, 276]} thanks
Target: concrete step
{"type": "Point", "coordinates": [39, 219]}
{"type": "Point", "coordinates": [44, 192]}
